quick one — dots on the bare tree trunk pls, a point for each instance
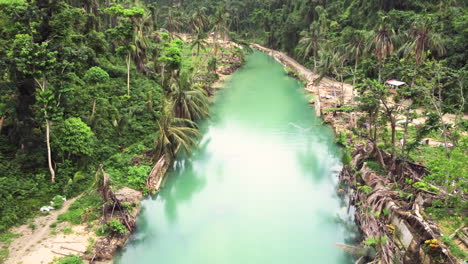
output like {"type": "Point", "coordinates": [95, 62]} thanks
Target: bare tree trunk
{"type": "Point", "coordinates": [405, 132]}
{"type": "Point", "coordinates": [380, 70]}
{"type": "Point", "coordinates": [42, 86]}
{"type": "Point", "coordinates": [94, 108]}
{"type": "Point", "coordinates": [49, 153]}
{"type": "Point", "coordinates": [355, 70]}
{"type": "Point", "coordinates": [2, 121]}
{"type": "Point", "coordinates": [128, 74]}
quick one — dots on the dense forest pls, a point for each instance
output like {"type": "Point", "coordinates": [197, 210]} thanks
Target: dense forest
{"type": "Point", "coordinates": [85, 83]}
{"type": "Point", "coordinates": [93, 82]}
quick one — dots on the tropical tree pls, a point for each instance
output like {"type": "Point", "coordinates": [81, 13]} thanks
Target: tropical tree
{"type": "Point", "coordinates": [420, 38]}
{"type": "Point", "coordinates": [189, 101]}
{"type": "Point", "coordinates": [331, 61]}
{"type": "Point", "coordinates": [174, 135]}
{"type": "Point", "coordinates": [355, 45]}
{"type": "Point", "coordinates": [173, 22]}
{"type": "Point", "coordinates": [124, 34]}
{"type": "Point", "coordinates": [199, 19]}
{"type": "Point", "coordinates": [373, 91]}
{"type": "Point", "coordinates": [220, 26]}
{"type": "Point", "coordinates": [199, 40]}
{"type": "Point", "coordinates": [310, 41]}
{"type": "Point", "coordinates": [382, 43]}
{"type": "Point", "coordinates": [37, 61]}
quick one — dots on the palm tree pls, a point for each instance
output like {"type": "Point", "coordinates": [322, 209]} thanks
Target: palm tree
{"type": "Point", "coordinates": [331, 62]}
{"type": "Point", "coordinates": [173, 22]}
{"type": "Point", "coordinates": [356, 45]}
{"type": "Point", "coordinates": [421, 38]}
{"type": "Point", "coordinates": [199, 40]}
{"type": "Point", "coordinates": [143, 28]}
{"type": "Point", "coordinates": [309, 42]}
{"type": "Point", "coordinates": [199, 19]}
{"type": "Point", "coordinates": [189, 101]}
{"type": "Point", "coordinates": [175, 134]}
{"type": "Point", "coordinates": [220, 26]}
{"type": "Point", "coordinates": [382, 43]}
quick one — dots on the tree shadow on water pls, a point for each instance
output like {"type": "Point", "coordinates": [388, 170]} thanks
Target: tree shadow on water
{"type": "Point", "coordinates": [181, 185]}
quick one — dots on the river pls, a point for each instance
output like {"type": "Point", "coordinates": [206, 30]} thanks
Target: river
{"type": "Point", "coordinates": [260, 189]}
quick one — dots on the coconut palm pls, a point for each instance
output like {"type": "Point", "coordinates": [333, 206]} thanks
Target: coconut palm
{"type": "Point", "coordinates": [199, 19]}
{"type": "Point", "coordinates": [309, 42]}
{"type": "Point", "coordinates": [199, 40]}
{"type": "Point", "coordinates": [143, 28]}
{"type": "Point", "coordinates": [421, 38]}
{"type": "Point", "coordinates": [189, 101]}
{"type": "Point", "coordinates": [173, 22]}
{"type": "Point", "coordinates": [331, 62]}
{"type": "Point", "coordinates": [356, 47]}
{"type": "Point", "coordinates": [220, 26]}
{"type": "Point", "coordinates": [382, 43]}
{"type": "Point", "coordinates": [174, 135]}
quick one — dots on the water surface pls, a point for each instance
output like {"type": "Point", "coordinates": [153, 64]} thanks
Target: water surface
{"type": "Point", "coordinates": [260, 188]}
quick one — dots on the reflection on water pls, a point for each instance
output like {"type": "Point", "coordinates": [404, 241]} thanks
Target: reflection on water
{"type": "Point", "coordinates": [261, 188]}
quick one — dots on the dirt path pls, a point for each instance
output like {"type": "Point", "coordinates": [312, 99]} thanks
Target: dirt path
{"type": "Point", "coordinates": [45, 243]}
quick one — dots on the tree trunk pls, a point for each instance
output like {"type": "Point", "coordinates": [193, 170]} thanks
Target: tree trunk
{"type": "Point", "coordinates": [49, 153]}
{"type": "Point", "coordinates": [315, 60]}
{"type": "Point", "coordinates": [2, 121]}
{"type": "Point", "coordinates": [355, 70]}
{"type": "Point", "coordinates": [94, 108]}
{"type": "Point", "coordinates": [380, 70]}
{"type": "Point", "coordinates": [405, 132]}
{"type": "Point", "coordinates": [128, 74]}
{"type": "Point", "coordinates": [42, 86]}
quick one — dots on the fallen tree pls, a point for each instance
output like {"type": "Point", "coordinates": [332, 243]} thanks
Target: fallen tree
{"type": "Point", "coordinates": [394, 226]}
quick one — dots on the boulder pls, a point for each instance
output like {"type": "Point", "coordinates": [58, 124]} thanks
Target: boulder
{"type": "Point", "coordinates": [128, 195]}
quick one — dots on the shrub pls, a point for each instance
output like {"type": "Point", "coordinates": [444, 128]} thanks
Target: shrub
{"type": "Point", "coordinates": [365, 189]}
{"type": "Point", "coordinates": [96, 75]}
{"type": "Point", "coordinates": [58, 201]}
{"type": "Point", "coordinates": [87, 208]}
{"type": "Point", "coordinates": [117, 227]}
{"type": "Point", "coordinates": [71, 260]}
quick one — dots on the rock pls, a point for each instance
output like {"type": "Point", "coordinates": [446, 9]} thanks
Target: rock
{"type": "Point", "coordinates": [128, 195]}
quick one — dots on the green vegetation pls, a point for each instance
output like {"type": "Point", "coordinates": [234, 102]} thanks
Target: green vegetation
{"type": "Point", "coordinates": [70, 260]}
{"type": "Point", "coordinates": [84, 84]}
{"type": "Point", "coordinates": [85, 209]}
{"type": "Point", "coordinates": [5, 241]}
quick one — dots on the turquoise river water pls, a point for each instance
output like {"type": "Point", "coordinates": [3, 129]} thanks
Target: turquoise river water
{"type": "Point", "coordinates": [260, 189]}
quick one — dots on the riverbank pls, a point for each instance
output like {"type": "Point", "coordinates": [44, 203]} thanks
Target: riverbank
{"type": "Point", "coordinates": [393, 224]}
{"type": "Point", "coordinates": [45, 239]}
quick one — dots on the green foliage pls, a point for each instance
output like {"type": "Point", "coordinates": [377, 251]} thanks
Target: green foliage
{"type": "Point", "coordinates": [85, 209]}
{"type": "Point", "coordinates": [424, 186]}
{"type": "Point", "coordinates": [454, 248]}
{"type": "Point", "coordinates": [70, 260]}
{"type": "Point", "coordinates": [375, 166]}
{"type": "Point", "coordinates": [346, 157]}
{"type": "Point", "coordinates": [171, 54]}
{"type": "Point", "coordinates": [117, 227]}
{"type": "Point", "coordinates": [344, 108]}
{"type": "Point", "coordinates": [365, 189]}
{"type": "Point", "coordinates": [75, 137]}
{"type": "Point", "coordinates": [95, 75]}
{"type": "Point", "coordinates": [58, 201]}
{"type": "Point", "coordinates": [375, 241]}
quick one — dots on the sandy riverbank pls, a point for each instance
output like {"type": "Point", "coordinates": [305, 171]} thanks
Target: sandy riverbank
{"type": "Point", "coordinates": [43, 240]}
